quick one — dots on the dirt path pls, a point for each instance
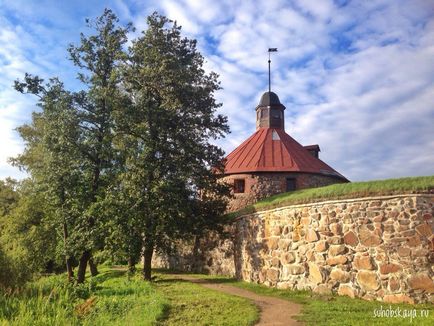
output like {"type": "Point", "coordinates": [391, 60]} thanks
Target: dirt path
{"type": "Point", "coordinates": [274, 311]}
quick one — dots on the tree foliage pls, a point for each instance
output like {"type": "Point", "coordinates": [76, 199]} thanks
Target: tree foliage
{"type": "Point", "coordinates": [127, 165]}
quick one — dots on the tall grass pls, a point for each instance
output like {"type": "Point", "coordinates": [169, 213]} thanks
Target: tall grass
{"type": "Point", "coordinates": [342, 191]}
{"type": "Point", "coordinates": [110, 298]}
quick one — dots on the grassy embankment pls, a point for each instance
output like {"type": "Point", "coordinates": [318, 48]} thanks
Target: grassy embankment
{"type": "Point", "coordinates": [112, 298]}
{"type": "Point", "coordinates": [342, 191]}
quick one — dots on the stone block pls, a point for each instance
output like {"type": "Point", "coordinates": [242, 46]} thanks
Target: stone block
{"type": "Point", "coordinates": [398, 298]}
{"type": "Point", "coordinates": [311, 236]}
{"type": "Point", "coordinates": [275, 262]}
{"type": "Point", "coordinates": [389, 268]}
{"type": "Point", "coordinates": [338, 260]}
{"type": "Point", "coordinates": [347, 290]}
{"type": "Point", "coordinates": [294, 269]}
{"type": "Point", "coordinates": [283, 244]}
{"type": "Point", "coordinates": [335, 240]}
{"type": "Point", "coordinates": [340, 276]}
{"type": "Point", "coordinates": [315, 273]}
{"type": "Point", "coordinates": [351, 239]}
{"type": "Point", "coordinates": [321, 246]}
{"type": "Point", "coordinates": [336, 250]}
{"type": "Point", "coordinates": [368, 280]}
{"type": "Point", "coordinates": [273, 243]}
{"type": "Point", "coordinates": [287, 258]}
{"type": "Point", "coordinates": [363, 262]}
{"type": "Point", "coordinates": [421, 282]}
{"type": "Point", "coordinates": [276, 230]}
{"type": "Point", "coordinates": [272, 275]}
{"type": "Point", "coordinates": [413, 241]}
{"type": "Point", "coordinates": [393, 284]}
{"type": "Point", "coordinates": [336, 228]}
{"type": "Point", "coordinates": [322, 289]}
{"type": "Point", "coordinates": [368, 238]}
{"type": "Point", "coordinates": [424, 229]}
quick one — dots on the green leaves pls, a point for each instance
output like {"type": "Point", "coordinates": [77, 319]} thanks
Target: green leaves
{"type": "Point", "coordinates": [128, 161]}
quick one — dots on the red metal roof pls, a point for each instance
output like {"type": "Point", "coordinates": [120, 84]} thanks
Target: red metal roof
{"type": "Point", "coordinates": [273, 150]}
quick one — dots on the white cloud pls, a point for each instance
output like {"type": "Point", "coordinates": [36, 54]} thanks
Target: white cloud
{"type": "Point", "coordinates": [356, 78]}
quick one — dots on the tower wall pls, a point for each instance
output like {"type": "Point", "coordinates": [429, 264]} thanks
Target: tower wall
{"type": "Point", "coordinates": [264, 184]}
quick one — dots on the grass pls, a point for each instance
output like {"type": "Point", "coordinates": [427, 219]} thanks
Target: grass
{"type": "Point", "coordinates": [112, 298]}
{"type": "Point", "coordinates": [192, 304]}
{"type": "Point", "coordinates": [107, 299]}
{"type": "Point", "coordinates": [336, 310]}
{"type": "Point", "coordinates": [342, 191]}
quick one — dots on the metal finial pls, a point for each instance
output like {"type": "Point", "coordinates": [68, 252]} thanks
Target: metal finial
{"type": "Point", "coordinates": [269, 67]}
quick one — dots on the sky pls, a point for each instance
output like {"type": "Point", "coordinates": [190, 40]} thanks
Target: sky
{"type": "Point", "coordinates": [356, 77]}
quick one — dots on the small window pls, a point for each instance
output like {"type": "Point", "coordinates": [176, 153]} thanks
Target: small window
{"type": "Point", "coordinates": [290, 184]}
{"type": "Point", "coordinates": [239, 186]}
{"type": "Point", "coordinates": [276, 114]}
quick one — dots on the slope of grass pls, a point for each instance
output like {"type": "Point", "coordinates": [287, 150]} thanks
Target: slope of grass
{"type": "Point", "coordinates": [338, 310]}
{"type": "Point", "coordinates": [342, 191]}
{"type": "Point", "coordinates": [112, 298]}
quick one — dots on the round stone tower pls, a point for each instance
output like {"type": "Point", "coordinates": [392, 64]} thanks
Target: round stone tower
{"type": "Point", "coordinates": [271, 162]}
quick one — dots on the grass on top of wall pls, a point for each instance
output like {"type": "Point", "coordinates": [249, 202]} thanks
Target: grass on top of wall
{"type": "Point", "coordinates": [341, 191]}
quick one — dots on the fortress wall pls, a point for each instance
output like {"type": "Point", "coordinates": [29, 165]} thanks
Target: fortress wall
{"type": "Point", "coordinates": [374, 248]}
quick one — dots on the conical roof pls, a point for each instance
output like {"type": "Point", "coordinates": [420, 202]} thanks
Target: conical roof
{"type": "Point", "coordinates": [273, 150]}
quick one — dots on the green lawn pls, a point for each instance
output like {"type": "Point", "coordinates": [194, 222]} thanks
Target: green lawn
{"type": "Point", "coordinates": [336, 310]}
{"type": "Point", "coordinates": [192, 304]}
{"type": "Point", "coordinates": [342, 191]}
{"type": "Point", "coordinates": [112, 298]}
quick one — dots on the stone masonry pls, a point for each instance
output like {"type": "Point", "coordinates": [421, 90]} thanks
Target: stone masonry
{"type": "Point", "coordinates": [261, 185]}
{"type": "Point", "coordinates": [373, 248]}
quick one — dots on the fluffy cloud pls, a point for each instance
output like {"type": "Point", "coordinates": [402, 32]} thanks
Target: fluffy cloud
{"type": "Point", "coordinates": [357, 77]}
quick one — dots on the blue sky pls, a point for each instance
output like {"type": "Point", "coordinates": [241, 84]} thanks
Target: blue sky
{"type": "Point", "coordinates": [356, 77]}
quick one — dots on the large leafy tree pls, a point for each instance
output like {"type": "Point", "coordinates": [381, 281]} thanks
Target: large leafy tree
{"type": "Point", "coordinates": [98, 56]}
{"type": "Point", "coordinates": [53, 158]}
{"type": "Point", "coordinates": [128, 164]}
{"type": "Point", "coordinates": [170, 166]}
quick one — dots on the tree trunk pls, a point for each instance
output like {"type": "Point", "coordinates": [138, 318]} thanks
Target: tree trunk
{"type": "Point", "coordinates": [68, 260]}
{"type": "Point", "coordinates": [147, 260]}
{"type": "Point", "coordinates": [69, 269]}
{"type": "Point", "coordinates": [131, 265]}
{"type": "Point", "coordinates": [93, 267]}
{"type": "Point", "coordinates": [81, 273]}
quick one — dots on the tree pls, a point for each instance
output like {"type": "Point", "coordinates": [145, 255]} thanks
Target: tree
{"type": "Point", "coordinates": [127, 164]}
{"type": "Point", "coordinates": [171, 166]}
{"type": "Point", "coordinates": [52, 156]}
{"type": "Point", "coordinates": [98, 56]}
{"type": "Point", "coordinates": [28, 241]}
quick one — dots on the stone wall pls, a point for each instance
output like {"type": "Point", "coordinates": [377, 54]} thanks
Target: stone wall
{"type": "Point", "coordinates": [264, 184]}
{"type": "Point", "coordinates": [373, 248]}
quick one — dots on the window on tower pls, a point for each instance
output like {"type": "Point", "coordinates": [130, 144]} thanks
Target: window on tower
{"type": "Point", "coordinates": [290, 184]}
{"type": "Point", "coordinates": [276, 114]}
{"type": "Point", "coordinates": [239, 186]}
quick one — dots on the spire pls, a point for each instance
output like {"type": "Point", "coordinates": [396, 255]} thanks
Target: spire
{"type": "Point", "coordinates": [269, 67]}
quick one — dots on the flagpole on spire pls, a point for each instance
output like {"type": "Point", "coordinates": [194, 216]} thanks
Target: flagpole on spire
{"type": "Point", "coordinates": [269, 67]}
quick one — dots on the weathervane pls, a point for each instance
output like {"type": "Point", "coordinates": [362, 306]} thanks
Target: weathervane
{"type": "Point", "coordinates": [269, 68]}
